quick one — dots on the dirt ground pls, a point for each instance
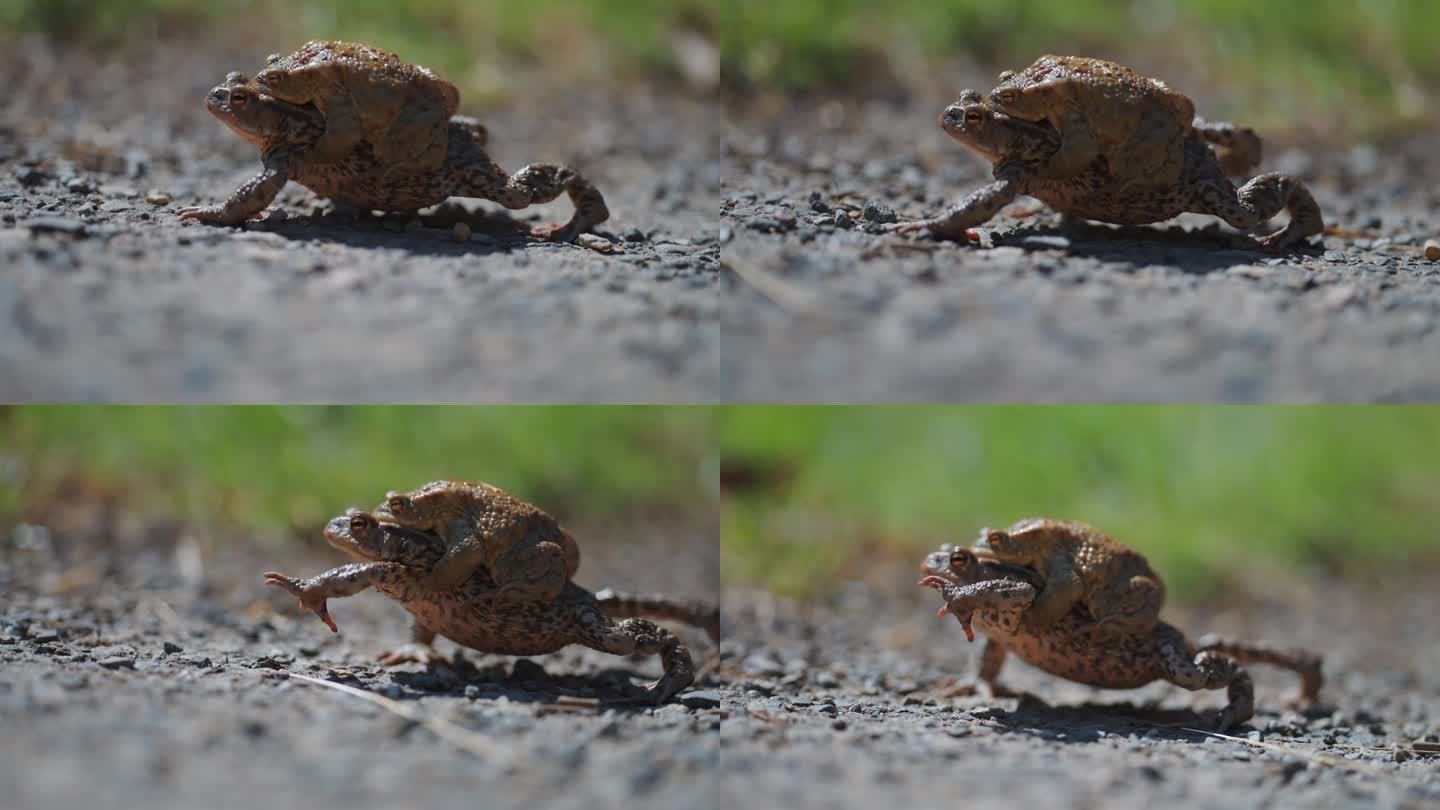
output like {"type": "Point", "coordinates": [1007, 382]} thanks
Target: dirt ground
{"type": "Point", "coordinates": [837, 703]}
{"type": "Point", "coordinates": [146, 665]}
{"type": "Point", "coordinates": [107, 296]}
{"type": "Point", "coordinates": [1183, 311]}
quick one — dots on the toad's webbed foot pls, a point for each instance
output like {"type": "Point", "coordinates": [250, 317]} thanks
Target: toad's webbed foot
{"type": "Point", "coordinates": [411, 652]}
{"type": "Point", "coordinates": [311, 596]}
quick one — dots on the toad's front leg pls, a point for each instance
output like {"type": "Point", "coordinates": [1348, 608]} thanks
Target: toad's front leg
{"type": "Point", "coordinates": [347, 580]}
{"type": "Point", "coordinates": [248, 200]}
{"type": "Point", "coordinates": [1006, 598]}
{"type": "Point", "coordinates": [981, 206]}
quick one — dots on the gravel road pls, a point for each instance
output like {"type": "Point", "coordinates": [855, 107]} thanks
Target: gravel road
{"type": "Point", "coordinates": [143, 665]}
{"type": "Point", "coordinates": [107, 296]}
{"type": "Point", "coordinates": [1183, 311]}
{"type": "Point", "coordinates": [836, 704]}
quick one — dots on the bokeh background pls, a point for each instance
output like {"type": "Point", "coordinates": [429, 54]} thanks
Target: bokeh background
{"type": "Point", "coordinates": [1324, 66]}
{"type": "Point", "coordinates": [478, 44]}
{"type": "Point", "coordinates": [258, 483]}
{"type": "Point", "coordinates": [1221, 499]}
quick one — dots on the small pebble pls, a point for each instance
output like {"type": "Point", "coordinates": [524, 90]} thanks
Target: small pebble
{"type": "Point", "coordinates": [156, 197]}
{"type": "Point", "coordinates": [1432, 250]}
{"type": "Point", "coordinates": [172, 647]}
{"type": "Point", "coordinates": [460, 233]}
{"type": "Point", "coordinates": [117, 662]}
{"type": "Point", "coordinates": [701, 699]}
{"type": "Point", "coordinates": [598, 244]}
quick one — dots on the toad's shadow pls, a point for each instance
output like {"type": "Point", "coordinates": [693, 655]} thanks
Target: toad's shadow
{"type": "Point", "coordinates": [1200, 250]}
{"type": "Point", "coordinates": [1089, 722]}
{"type": "Point", "coordinates": [428, 234]}
{"type": "Point", "coordinates": [525, 682]}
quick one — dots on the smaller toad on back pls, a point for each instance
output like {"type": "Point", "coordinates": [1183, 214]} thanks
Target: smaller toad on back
{"type": "Point", "coordinates": [528, 554]}
{"type": "Point", "coordinates": [1098, 108]}
{"type": "Point", "coordinates": [365, 92]}
{"type": "Point", "coordinates": [1075, 564]}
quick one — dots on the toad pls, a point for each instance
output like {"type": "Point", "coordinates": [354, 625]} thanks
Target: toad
{"type": "Point", "coordinates": [394, 560]}
{"type": "Point", "coordinates": [1018, 150]}
{"type": "Point", "coordinates": [365, 177]}
{"type": "Point", "coordinates": [994, 597]}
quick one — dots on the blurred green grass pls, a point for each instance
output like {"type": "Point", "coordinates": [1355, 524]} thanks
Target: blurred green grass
{"type": "Point", "coordinates": [261, 467]}
{"type": "Point", "coordinates": [1360, 65]}
{"type": "Point", "coordinates": [1204, 491]}
{"type": "Point", "coordinates": [448, 35]}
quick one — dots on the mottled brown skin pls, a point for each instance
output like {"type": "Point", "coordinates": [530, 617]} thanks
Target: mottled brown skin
{"type": "Point", "coordinates": [1017, 149]}
{"type": "Point", "coordinates": [366, 93]}
{"type": "Point", "coordinates": [526, 552]}
{"type": "Point", "coordinates": [1079, 565]}
{"type": "Point", "coordinates": [995, 596]}
{"type": "Point", "coordinates": [394, 561]}
{"type": "Point", "coordinates": [1099, 108]}
{"type": "Point", "coordinates": [286, 133]}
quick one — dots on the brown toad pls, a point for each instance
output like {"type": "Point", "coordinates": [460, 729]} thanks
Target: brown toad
{"type": "Point", "coordinates": [393, 560]}
{"type": "Point", "coordinates": [366, 93]}
{"type": "Point", "coordinates": [286, 135]}
{"type": "Point", "coordinates": [1100, 108]}
{"type": "Point", "coordinates": [1077, 565]}
{"type": "Point", "coordinates": [995, 596]}
{"type": "Point", "coordinates": [1017, 148]}
{"type": "Point", "coordinates": [526, 552]}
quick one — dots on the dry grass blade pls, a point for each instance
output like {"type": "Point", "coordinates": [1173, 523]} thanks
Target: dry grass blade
{"type": "Point", "coordinates": [788, 297]}
{"type": "Point", "coordinates": [1313, 756]}
{"type": "Point", "coordinates": [459, 736]}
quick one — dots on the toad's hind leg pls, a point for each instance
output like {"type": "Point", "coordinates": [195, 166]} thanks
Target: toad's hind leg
{"type": "Point", "coordinates": [694, 612]}
{"type": "Point", "coordinates": [1129, 607]}
{"type": "Point", "coordinates": [1206, 670]}
{"type": "Point", "coordinates": [639, 637]}
{"type": "Point", "coordinates": [1305, 664]}
{"type": "Point", "coordinates": [1259, 200]}
{"type": "Point", "coordinates": [469, 172]}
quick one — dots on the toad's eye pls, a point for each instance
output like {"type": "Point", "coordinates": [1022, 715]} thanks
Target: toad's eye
{"type": "Point", "coordinates": [238, 98]}
{"type": "Point", "coordinates": [361, 522]}
{"type": "Point", "coordinates": [1007, 97]}
{"type": "Point", "coordinates": [972, 117]}
{"type": "Point", "coordinates": [398, 502]}
{"type": "Point", "coordinates": [960, 559]}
